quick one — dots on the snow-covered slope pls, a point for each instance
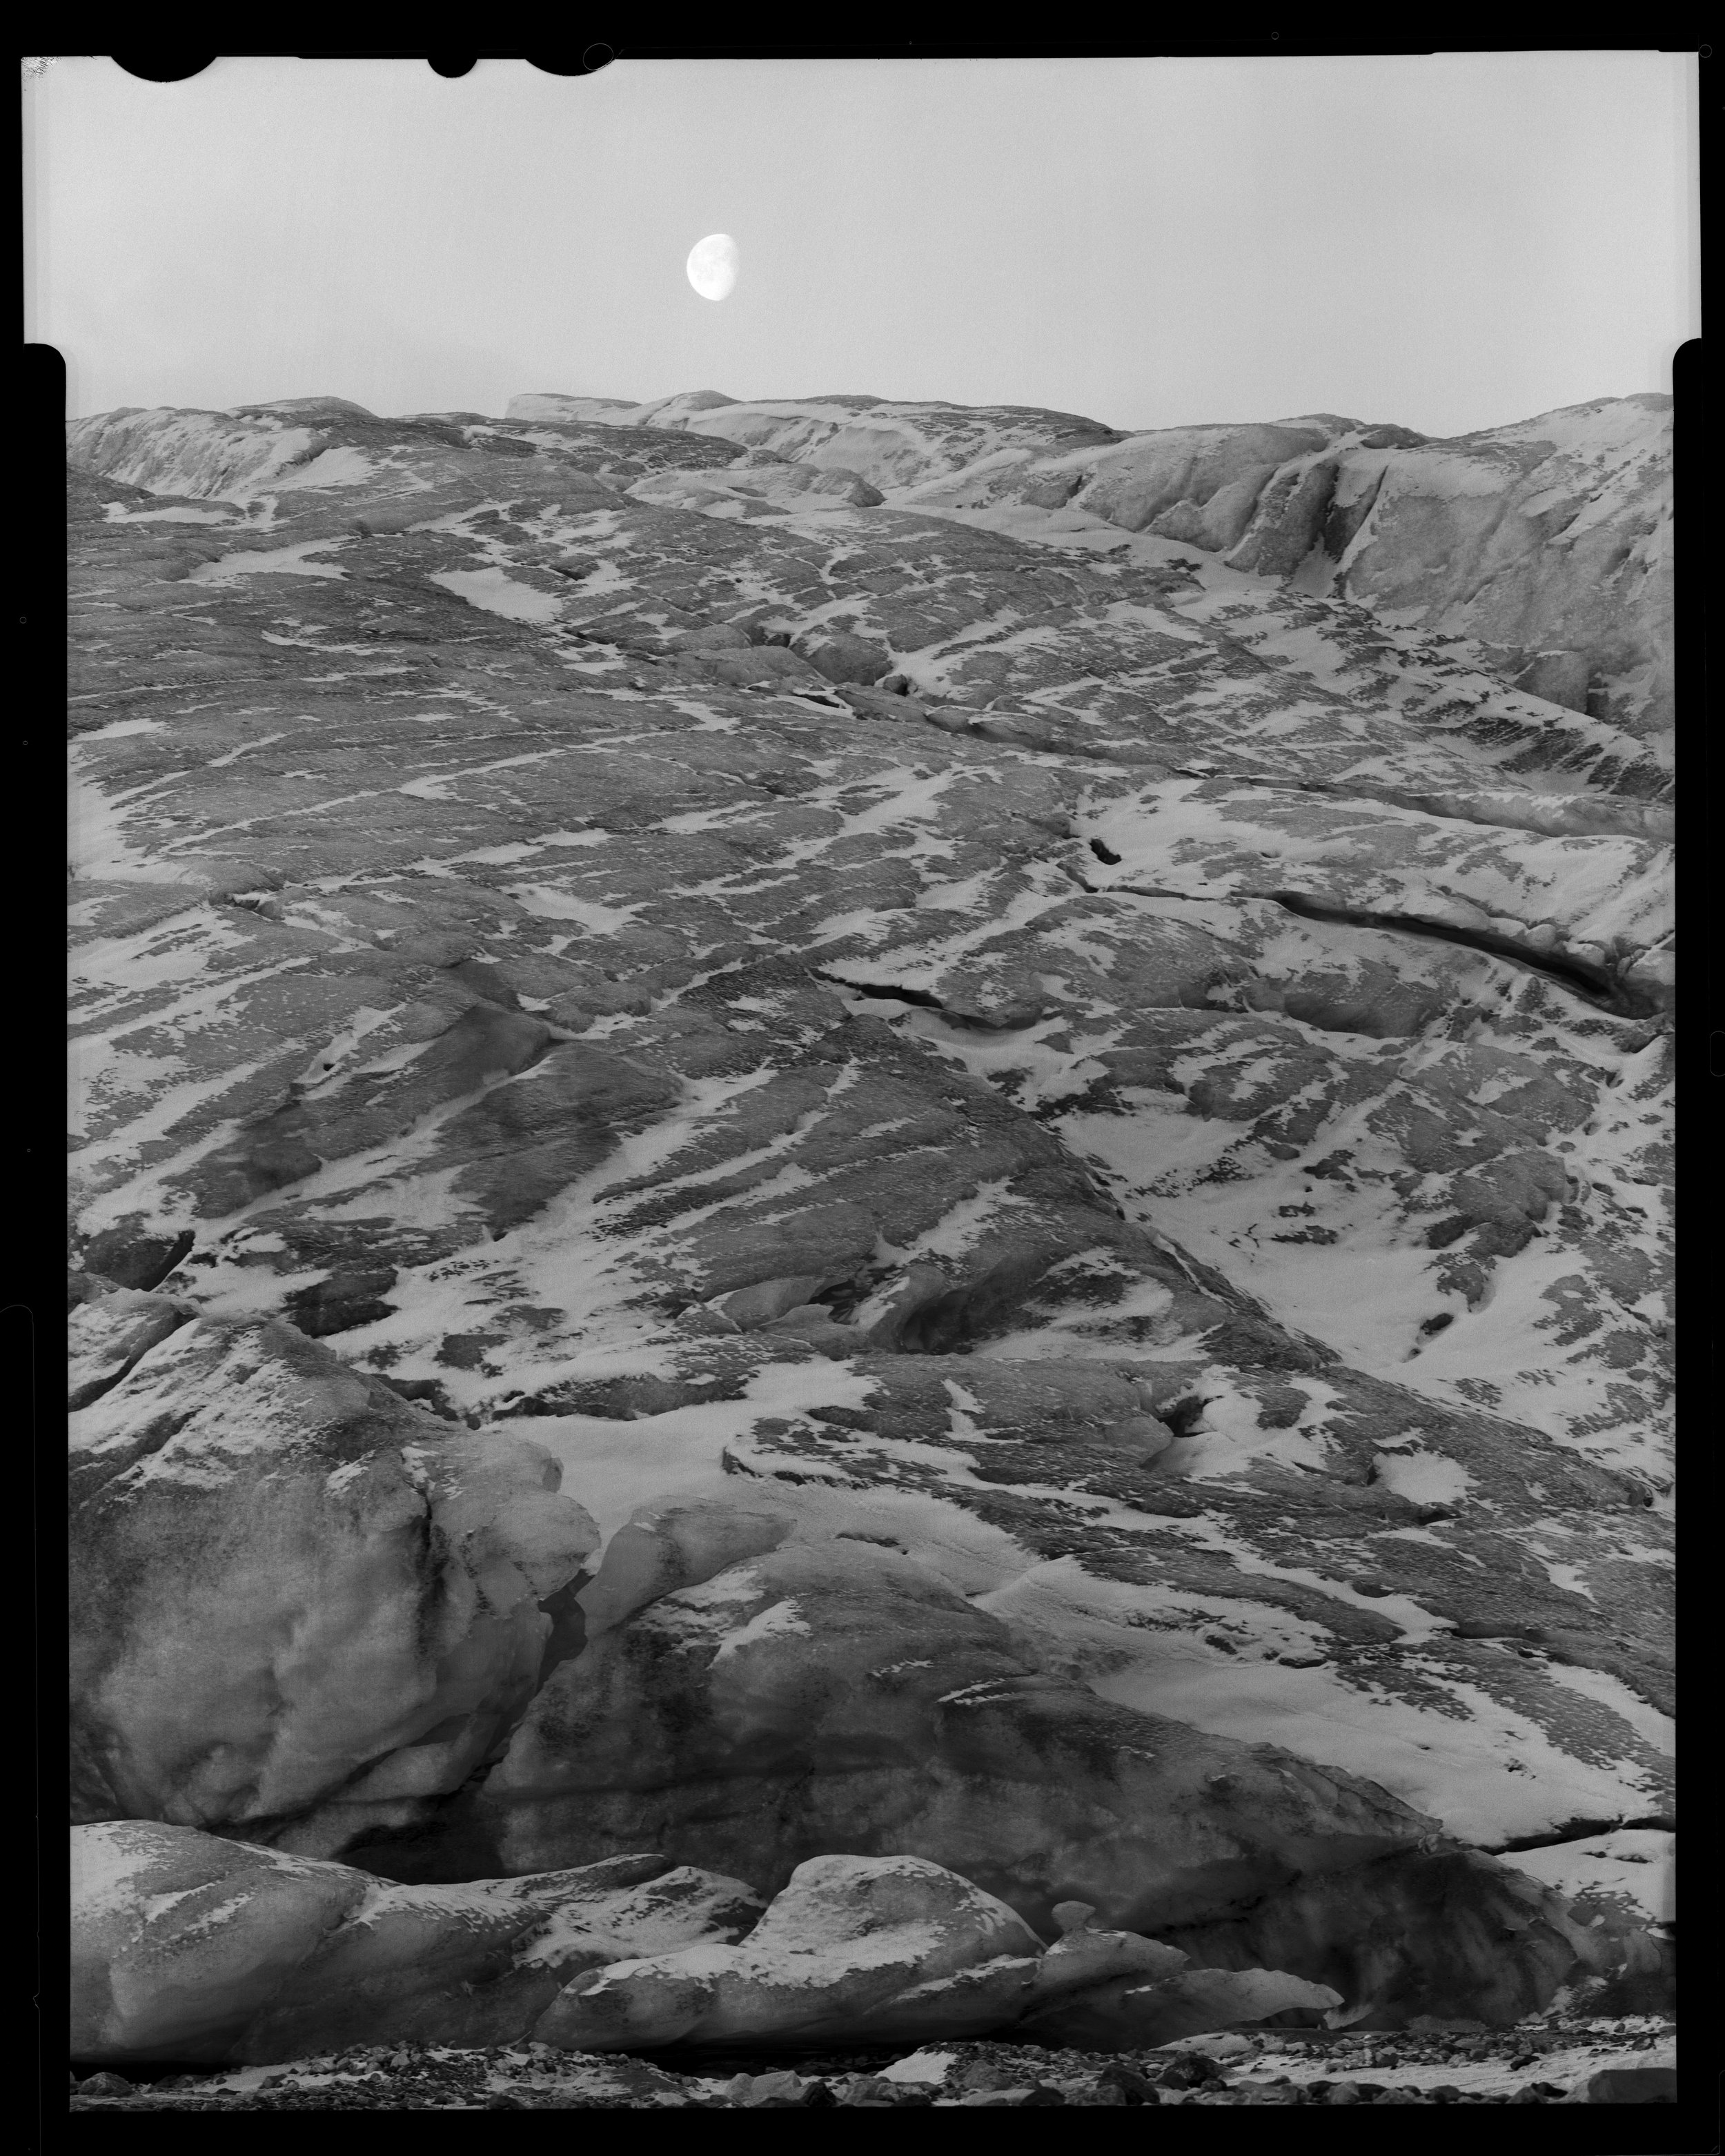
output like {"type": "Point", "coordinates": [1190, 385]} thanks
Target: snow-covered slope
{"type": "Point", "coordinates": [772, 952]}
{"type": "Point", "coordinates": [1545, 545]}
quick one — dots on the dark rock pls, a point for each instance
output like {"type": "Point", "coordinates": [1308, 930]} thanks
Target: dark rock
{"type": "Point", "coordinates": [846, 658]}
{"type": "Point", "coordinates": [1192, 2070]}
{"type": "Point", "coordinates": [1134, 2087]}
{"type": "Point", "coordinates": [871, 2091]}
{"type": "Point", "coordinates": [1629, 2085]}
{"type": "Point", "coordinates": [134, 1261]}
{"type": "Point", "coordinates": [423, 1392]}
{"type": "Point", "coordinates": [342, 1301]}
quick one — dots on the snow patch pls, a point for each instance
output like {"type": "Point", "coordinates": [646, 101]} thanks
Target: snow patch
{"type": "Point", "coordinates": [778, 1621]}
{"type": "Point", "coordinates": [1422, 1477]}
{"type": "Point", "coordinates": [498, 594]}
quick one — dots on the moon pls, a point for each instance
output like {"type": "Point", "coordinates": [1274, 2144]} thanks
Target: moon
{"type": "Point", "coordinates": [712, 265]}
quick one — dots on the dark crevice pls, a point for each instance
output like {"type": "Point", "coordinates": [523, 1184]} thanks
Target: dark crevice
{"type": "Point", "coordinates": [1582, 1830]}
{"type": "Point", "coordinates": [1592, 982]}
{"type": "Point", "coordinates": [883, 994]}
{"type": "Point", "coordinates": [567, 1636]}
{"type": "Point", "coordinates": [136, 1261]}
{"type": "Point", "coordinates": [1104, 853]}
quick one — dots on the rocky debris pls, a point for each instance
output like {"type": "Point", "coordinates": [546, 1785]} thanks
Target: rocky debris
{"type": "Point", "coordinates": [292, 1588]}
{"type": "Point", "coordinates": [406, 2077]}
{"type": "Point", "coordinates": [1279, 2068]}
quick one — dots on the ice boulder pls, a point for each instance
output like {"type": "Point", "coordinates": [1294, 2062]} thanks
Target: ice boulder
{"type": "Point", "coordinates": [187, 1946]}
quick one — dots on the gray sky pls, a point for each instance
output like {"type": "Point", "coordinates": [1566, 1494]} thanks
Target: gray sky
{"type": "Point", "coordinates": [1450, 242]}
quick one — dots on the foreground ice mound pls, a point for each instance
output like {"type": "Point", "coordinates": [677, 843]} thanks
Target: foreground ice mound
{"type": "Point", "coordinates": [188, 1947]}
{"type": "Point", "coordinates": [192, 1948]}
